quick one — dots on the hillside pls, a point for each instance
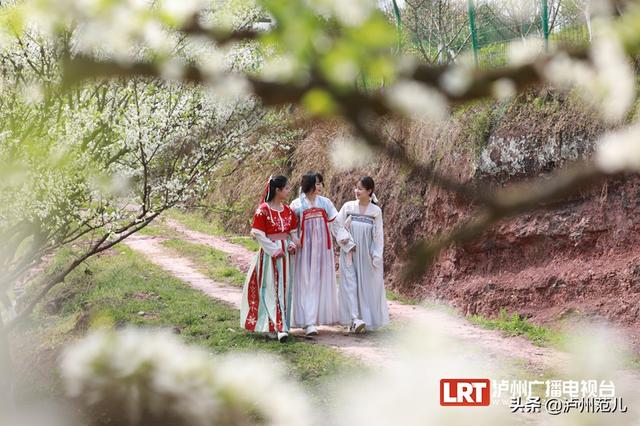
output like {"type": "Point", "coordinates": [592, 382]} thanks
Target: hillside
{"type": "Point", "coordinates": [577, 259]}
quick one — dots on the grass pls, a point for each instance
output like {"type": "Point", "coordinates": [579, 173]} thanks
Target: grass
{"type": "Point", "coordinates": [120, 288]}
{"type": "Point", "coordinates": [211, 262]}
{"type": "Point", "coordinates": [196, 221]}
{"type": "Point", "coordinates": [158, 229]}
{"type": "Point", "coordinates": [248, 242]}
{"type": "Point", "coordinates": [516, 325]}
{"type": "Point", "coordinates": [405, 300]}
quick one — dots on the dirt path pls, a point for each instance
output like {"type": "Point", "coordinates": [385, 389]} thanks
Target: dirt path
{"type": "Point", "coordinates": [368, 350]}
{"type": "Point", "coordinates": [240, 257]}
{"type": "Point", "coordinates": [374, 348]}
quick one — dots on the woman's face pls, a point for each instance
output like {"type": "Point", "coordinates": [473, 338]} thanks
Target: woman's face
{"type": "Point", "coordinates": [319, 187]}
{"type": "Point", "coordinates": [361, 192]}
{"type": "Point", "coordinates": [283, 193]}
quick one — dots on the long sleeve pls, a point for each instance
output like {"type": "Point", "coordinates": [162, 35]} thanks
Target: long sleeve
{"type": "Point", "coordinates": [339, 229]}
{"type": "Point", "coordinates": [295, 236]}
{"type": "Point", "coordinates": [269, 247]}
{"type": "Point", "coordinates": [293, 231]}
{"type": "Point", "coordinates": [378, 241]}
{"type": "Point", "coordinates": [259, 230]}
{"type": "Point", "coordinates": [336, 225]}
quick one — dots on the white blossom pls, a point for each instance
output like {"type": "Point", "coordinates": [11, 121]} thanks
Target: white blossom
{"type": "Point", "coordinates": [503, 88]}
{"type": "Point", "coordinates": [181, 10]}
{"type": "Point", "coordinates": [619, 151]}
{"type": "Point", "coordinates": [525, 51]}
{"type": "Point", "coordinates": [279, 68]}
{"type": "Point", "coordinates": [608, 84]}
{"type": "Point", "coordinates": [92, 154]}
{"type": "Point", "coordinates": [280, 401]}
{"type": "Point", "coordinates": [230, 89]}
{"type": "Point", "coordinates": [173, 69]}
{"type": "Point", "coordinates": [596, 351]}
{"type": "Point", "coordinates": [406, 391]}
{"type": "Point", "coordinates": [417, 100]}
{"type": "Point", "coordinates": [349, 153]}
{"type": "Point", "coordinates": [33, 93]}
{"type": "Point", "coordinates": [457, 80]}
{"type": "Point", "coordinates": [615, 77]}
{"type": "Point", "coordinates": [151, 374]}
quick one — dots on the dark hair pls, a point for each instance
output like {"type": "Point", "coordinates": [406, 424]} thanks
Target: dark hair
{"type": "Point", "coordinates": [368, 184]}
{"type": "Point", "coordinates": [308, 183]}
{"type": "Point", "coordinates": [320, 178]}
{"type": "Point", "coordinates": [275, 183]}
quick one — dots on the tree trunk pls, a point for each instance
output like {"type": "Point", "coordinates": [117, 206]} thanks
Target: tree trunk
{"type": "Point", "coordinates": [7, 397]}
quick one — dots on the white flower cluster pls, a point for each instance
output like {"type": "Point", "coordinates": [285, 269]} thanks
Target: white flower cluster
{"type": "Point", "coordinates": [407, 392]}
{"type": "Point", "coordinates": [146, 375]}
{"type": "Point", "coordinates": [232, 14]}
{"type": "Point", "coordinates": [280, 68]}
{"type": "Point", "coordinates": [619, 151]}
{"type": "Point", "coordinates": [417, 100]}
{"type": "Point", "coordinates": [349, 153]}
{"type": "Point", "coordinates": [116, 28]}
{"type": "Point", "coordinates": [525, 51]}
{"type": "Point", "coordinates": [152, 375]}
{"type": "Point", "coordinates": [458, 79]}
{"type": "Point", "coordinates": [72, 161]}
{"type": "Point", "coordinates": [608, 83]}
{"type": "Point", "coordinates": [46, 178]}
{"type": "Point", "coordinates": [126, 31]}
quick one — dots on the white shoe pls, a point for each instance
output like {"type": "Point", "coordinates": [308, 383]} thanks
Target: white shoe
{"type": "Point", "coordinates": [283, 337]}
{"type": "Point", "coordinates": [358, 326]}
{"type": "Point", "coordinates": [273, 336]}
{"type": "Point", "coordinates": [310, 330]}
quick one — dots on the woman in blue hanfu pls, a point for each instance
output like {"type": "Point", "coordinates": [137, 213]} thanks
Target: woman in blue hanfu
{"type": "Point", "coordinates": [266, 296]}
{"type": "Point", "coordinates": [315, 294]}
{"type": "Point", "coordinates": [362, 299]}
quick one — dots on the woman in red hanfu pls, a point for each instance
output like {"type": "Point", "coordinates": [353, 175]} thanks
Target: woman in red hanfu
{"type": "Point", "coordinates": [266, 296]}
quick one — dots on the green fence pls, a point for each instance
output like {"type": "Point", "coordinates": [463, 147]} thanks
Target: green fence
{"type": "Point", "coordinates": [490, 26]}
{"type": "Point", "coordinates": [491, 34]}
{"type": "Point", "coordinates": [490, 31]}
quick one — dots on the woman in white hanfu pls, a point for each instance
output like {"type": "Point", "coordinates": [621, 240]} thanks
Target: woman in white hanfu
{"type": "Point", "coordinates": [315, 293]}
{"type": "Point", "coordinates": [362, 299]}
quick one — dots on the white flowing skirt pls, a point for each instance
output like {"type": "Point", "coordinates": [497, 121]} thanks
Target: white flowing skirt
{"type": "Point", "coordinates": [362, 294]}
{"type": "Point", "coordinates": [315, 294]}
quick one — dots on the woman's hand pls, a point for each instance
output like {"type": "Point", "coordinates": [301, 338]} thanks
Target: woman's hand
{"type": "Point", "coordinates": [345, 245]}
{"type": "Point", "coordinates": [279, 254]}
{"type": "Point", "coordinates": [344, 241]}
{"type": "Point", "coordinates": [293, 248]}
